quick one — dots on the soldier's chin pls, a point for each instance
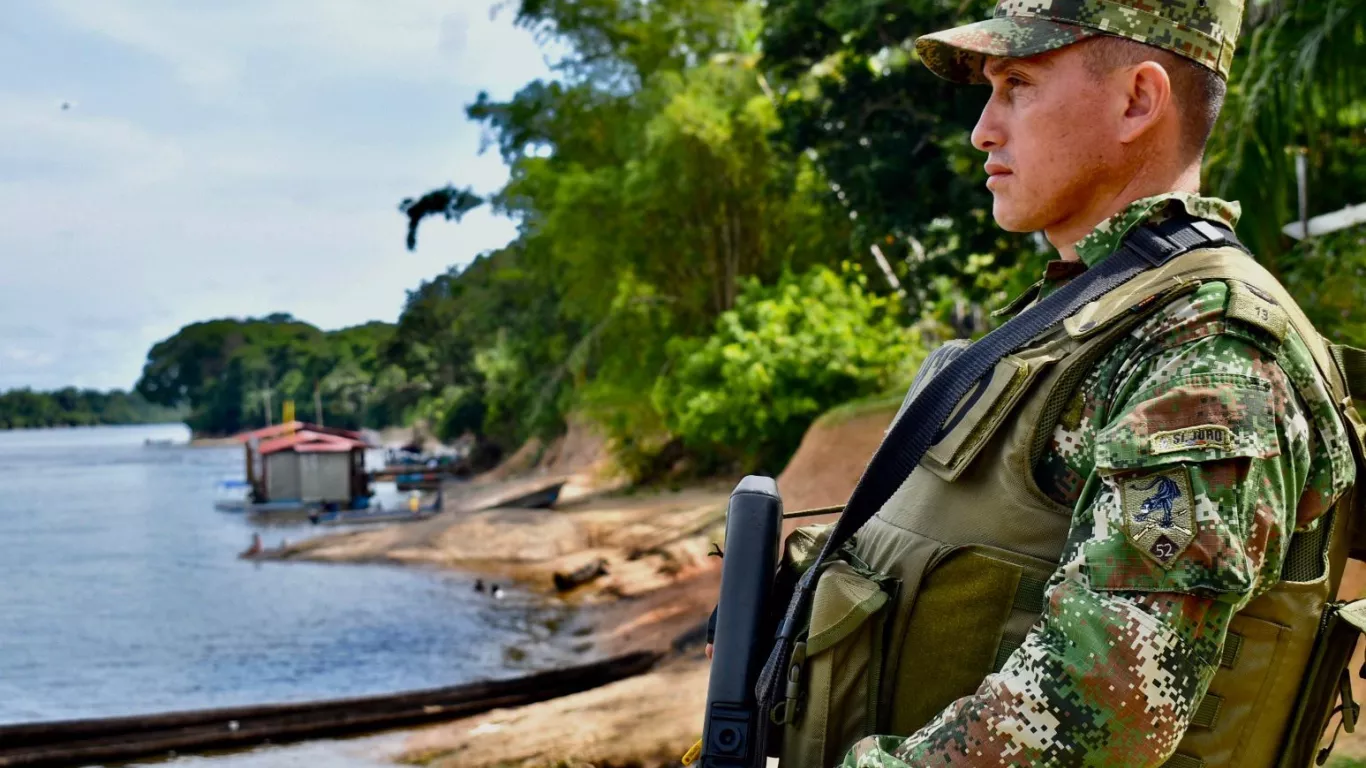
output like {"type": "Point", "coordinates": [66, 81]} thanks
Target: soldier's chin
{"type": "Point", "coordinates": [1012, 217]}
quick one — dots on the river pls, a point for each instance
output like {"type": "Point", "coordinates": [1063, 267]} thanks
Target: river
{"type": "Point", "coordinates": [121, 593]}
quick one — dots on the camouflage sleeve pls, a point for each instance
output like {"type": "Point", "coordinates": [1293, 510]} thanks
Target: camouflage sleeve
{"type": "Point", "coordinates": [1202, 457]}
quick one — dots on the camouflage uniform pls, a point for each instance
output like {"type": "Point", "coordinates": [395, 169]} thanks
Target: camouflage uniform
{"type": "Point", "coordinates": [1220, 439]}
{"type": "Point", "coordinates": [1130, 640]}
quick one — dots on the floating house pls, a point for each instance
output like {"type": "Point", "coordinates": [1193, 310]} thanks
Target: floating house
{"type": "Point", "coordinates": [297, 465]}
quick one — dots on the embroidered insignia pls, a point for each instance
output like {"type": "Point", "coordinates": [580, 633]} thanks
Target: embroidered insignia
{"type": "Point", "coordinates": [1159, 517]}
{"type": "Point", "coordinates": [1251, 305]}
{"type": "Point", "coordinates": [1191, 438]}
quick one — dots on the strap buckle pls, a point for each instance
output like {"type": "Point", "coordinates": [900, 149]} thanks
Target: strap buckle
{"type": "Point", "coordinates": [1151, 246]}
{"type": "Point", "coordinates": [1183, 234]}
{"type": "Point", "coordinates": [1213, 234]}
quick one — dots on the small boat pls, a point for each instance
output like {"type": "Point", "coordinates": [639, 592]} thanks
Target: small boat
{"type": "Point", "coordinates": [362, 517]}
{"type": "Point", "coordinates": [119, 739]}
{"type": "Point", "coordinates": [285, 509]}
{"type": "Point", "coordinates": [403, 509]}
{"type": "Point", "coordinates": [414, 474]}
{"type": "Point", "coordinates": [541, 498]}
{"type": "Point", "coordinates": [232, 496]}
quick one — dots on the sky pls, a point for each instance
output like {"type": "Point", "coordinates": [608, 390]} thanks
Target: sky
{"type": "Point", "coordinates": [231, 159]}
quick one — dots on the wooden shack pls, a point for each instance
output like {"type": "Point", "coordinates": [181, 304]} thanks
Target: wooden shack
{"type": "Point", "coordinates": [306, 464]}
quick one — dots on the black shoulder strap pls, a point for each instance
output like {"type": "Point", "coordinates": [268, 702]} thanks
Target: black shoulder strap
{"type": "Point", "coordinates": [915, 431]}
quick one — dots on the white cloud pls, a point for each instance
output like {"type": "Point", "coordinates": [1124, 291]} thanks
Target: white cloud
{"type": "Point", "coordinates": [45, 143]}
{"type": "Point", "coordinates": [233, 160]}
{"type": "Point", "coordinates": [25, 356]}
{"type": "Point", "coordinates": [211, 47]}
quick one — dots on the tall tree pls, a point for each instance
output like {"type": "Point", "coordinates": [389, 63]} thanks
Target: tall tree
{"type": "Point", "coordinates": [892, 138]}
{"type": "Point", "coordinates": [646, 185]}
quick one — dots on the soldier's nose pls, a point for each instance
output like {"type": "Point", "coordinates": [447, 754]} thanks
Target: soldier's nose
{"type": "Point", "coordinates": [987, 134]}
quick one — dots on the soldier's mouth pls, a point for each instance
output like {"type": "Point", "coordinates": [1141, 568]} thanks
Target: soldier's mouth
{"type": "Point", "coordinates": [996, 172]}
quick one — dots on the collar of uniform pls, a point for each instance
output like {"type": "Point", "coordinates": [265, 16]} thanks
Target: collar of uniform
{"type": "Point", "coordinates": [1017, 304]}
{"type": "Point", "coordinates": [1055, 275]}
{"type": "Point", "coordinates": [1106, 237]}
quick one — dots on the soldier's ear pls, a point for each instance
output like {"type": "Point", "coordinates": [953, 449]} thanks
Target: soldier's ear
{"type": "Point", "coordinates": [1148, 89]}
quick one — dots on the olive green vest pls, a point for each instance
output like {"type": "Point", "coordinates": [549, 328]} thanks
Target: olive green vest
{"type": "Point", "coordinates": [945, 582]}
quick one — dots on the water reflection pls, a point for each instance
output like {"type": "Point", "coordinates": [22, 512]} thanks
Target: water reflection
{"type": "Point", "coordinates": [123, 594]}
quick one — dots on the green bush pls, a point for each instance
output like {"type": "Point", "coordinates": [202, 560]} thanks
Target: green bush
{"type": "Point", "coordinates": [1328, 278]}
{"type": "Point", "coordinates": [784, 355]}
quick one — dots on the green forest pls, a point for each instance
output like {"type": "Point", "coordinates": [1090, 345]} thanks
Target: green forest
{"type": "Point", "coordinates": [71, 407]}
{"type": "Point", "coordinates": [735, 215]}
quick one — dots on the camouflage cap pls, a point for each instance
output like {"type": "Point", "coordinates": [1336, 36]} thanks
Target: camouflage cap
{"type": "Point", "coordinates": [1204, 31]}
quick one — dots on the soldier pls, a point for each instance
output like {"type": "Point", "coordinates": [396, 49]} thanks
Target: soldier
{"type": "Point", "coordinates": [1200, 439]}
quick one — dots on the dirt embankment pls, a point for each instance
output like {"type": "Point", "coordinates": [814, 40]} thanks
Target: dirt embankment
{"type": "Point", "coordinates": [833, 453]}
{"type": "Point", "coordinates": [831, 457]}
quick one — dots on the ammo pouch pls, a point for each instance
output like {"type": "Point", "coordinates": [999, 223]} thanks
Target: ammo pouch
{"type": "Point", "coordinates": [852, 673]}
{"type": "Point", "coordinates": [832, 681]}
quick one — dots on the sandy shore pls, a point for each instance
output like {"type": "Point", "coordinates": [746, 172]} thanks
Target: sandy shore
{"type": "Point", "coordinates": [649, 540]}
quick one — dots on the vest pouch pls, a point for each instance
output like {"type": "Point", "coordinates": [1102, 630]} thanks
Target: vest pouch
{"type": "Point", "coordinates": [838, 665]}
{"type": "Point", "coordinates": [984, 409]}
{"type": "Point", "coordinates": [1327, 690]}
{"type": "Point", "coordinates": [802, 547]}
{"type": "Point", "coordinates": [972, 609]}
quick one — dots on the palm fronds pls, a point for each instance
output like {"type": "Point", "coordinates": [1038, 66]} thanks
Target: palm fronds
{"type": "Point", "coordinates": [1298, 85]}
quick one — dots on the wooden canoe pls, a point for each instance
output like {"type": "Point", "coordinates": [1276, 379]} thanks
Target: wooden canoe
{"type": "Point", "coordinates": [86, 742]}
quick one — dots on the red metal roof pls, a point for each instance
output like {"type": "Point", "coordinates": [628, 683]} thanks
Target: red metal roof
{"type": "Point", "coordinates": [269, 433]}
{"type": "Point", "coordinates": [308, 441]}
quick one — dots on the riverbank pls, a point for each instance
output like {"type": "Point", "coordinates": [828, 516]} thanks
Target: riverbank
{"type": "Point", "coordinates": [658, 589]}
{"type": "Point", "coordinates": [648, 539]}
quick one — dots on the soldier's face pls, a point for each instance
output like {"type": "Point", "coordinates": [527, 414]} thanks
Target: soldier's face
{"type": "Point", "coordinates": [1050, 138]}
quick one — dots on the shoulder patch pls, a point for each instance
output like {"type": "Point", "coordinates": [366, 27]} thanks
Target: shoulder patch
{"type": "Point", "coordinates": [1159, 517]}
{"type": "Point", "coordinates": [1254, 307]}
{"type": "Point", "coordinates": [1191, 438]}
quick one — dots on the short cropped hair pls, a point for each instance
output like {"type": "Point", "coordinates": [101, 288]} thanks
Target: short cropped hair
{"type": "Point", "coordinates": [1198, 91]}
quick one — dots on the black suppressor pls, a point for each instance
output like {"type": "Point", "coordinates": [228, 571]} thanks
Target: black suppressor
{"type": "Point", "coordinates": [733, 735]}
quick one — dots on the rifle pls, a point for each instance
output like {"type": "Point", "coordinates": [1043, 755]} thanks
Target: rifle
{"type": "Point", "coordinates": [734, 734]}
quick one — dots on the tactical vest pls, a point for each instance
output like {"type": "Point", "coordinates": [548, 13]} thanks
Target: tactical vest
{"type": "Point", "coordinates": [941, 586]}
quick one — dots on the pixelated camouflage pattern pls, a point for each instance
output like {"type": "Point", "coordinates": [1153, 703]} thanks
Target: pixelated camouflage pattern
{"type": "Point", "coordinates": [1204, 31]}
{"type": "Point", "coordinates": [1106, 237]}
{"type": "Point", "coordinates": [1112, 673]}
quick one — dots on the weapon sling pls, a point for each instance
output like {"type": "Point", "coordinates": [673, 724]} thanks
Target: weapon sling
{"type": "Point", "coordinates": [919, 426]}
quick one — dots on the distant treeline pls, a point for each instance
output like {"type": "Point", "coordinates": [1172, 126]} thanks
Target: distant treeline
{"type": "Point", "coordinates": [71, 407]}
{"type": "Point", "coordinates": [228, 374]}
